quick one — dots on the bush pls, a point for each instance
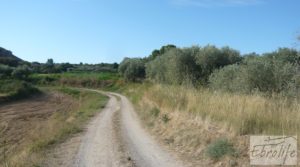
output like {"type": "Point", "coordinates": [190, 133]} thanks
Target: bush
{"type": "Point", "coordinates": [220, 148]}
{"type": "Point", "coordinates": [5, 71]}
{"type": "Point", "coordinates": [210, 58]}
{"type": "Point", "coordinates": [189, 65]}
{"type": "Point", "coordinates": [157, 53]}
{"type": "Point", "coordinates": [25, 90]}
{"type": "Point", "coordinates": [256, 74]}
{"type": "Point", "coordinates": [229, 78]}
{"type": "Point", "coordinates": [132, 69]}
{"type": "Point", "coordinates": [176, 66]}
{"type": "Point", "coordinates": [21, 72]}
{"type": "Point", "coordinates": [15, 89]}
{"type": "Point", "coordinates": [286, 55]}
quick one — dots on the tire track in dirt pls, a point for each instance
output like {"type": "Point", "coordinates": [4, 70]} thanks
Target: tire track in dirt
{"type": "Point", "coordinates": [115, 138]}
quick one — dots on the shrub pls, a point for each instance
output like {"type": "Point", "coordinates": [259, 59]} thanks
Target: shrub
{"type": "Point", "coordinates": [157, 53]}
{"type": "Point", "coordinates": [25, 90]}
{"type": "Point", "coordinates": [156, 70]}
{"type": "Point", "coordinates": [21, 72]}
{"type": "Point", "coordinates": [269, 75]}
{"type": "Point", "coordinates": [286, 55]}
{"type": "Point", "coordinates": [229, 78]}
{"type": "Point", "coordinates": [189, 65]}
{"type": "Point", "coordinates": [132, 69]}
{"type": "Point", "coordinates": [5, 71]}
{"type": "Point", "coordinates": [15, 89]}
{"type": "Point", "coordinates": [220, 148]}
{"type": "Point", "coordinates": [176, 66]}
{"type": "Point", "coordinates": [210, 58]}
{"type": "Point", "coordinates": [256, 74]}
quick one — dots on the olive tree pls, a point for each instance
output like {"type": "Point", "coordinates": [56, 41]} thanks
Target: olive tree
{"type": "Point", "coordinates": [132, 69]}
{"type": "Point", "coordinates": [210, 58]}
{"type": "Point", "coordinates": [256, 74]}
{"type": "Point", "coordinates": [176, 66]}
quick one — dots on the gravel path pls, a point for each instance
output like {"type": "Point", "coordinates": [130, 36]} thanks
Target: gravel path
{"type": "Point", "coordinates": [115, 138]}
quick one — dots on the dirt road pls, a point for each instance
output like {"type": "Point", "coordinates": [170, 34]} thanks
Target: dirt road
{"type": "Point", "coordinates": [115, 138]}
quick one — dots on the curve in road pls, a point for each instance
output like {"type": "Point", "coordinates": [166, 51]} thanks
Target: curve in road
{"type": "Point", "coordinates": [115, 138]}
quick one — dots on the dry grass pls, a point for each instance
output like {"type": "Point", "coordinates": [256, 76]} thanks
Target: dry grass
{"type": "Point", "coordinates": [246, 114]}
{"type": "Point", "coordinates": [197, 118]}
{"type": "Point", "coordinates": [43, 123]}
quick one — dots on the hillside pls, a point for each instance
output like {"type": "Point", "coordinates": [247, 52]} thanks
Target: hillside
{"type": "Point", "coordinates": [7, 58]}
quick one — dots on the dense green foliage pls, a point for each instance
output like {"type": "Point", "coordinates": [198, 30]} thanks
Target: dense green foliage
{"type": "Point", "coordinates": [104, 80]}
{"type": "Point", "coordinates": [17, 77]}
{"type": "Point", "coordinates": [176, 66]}
{"type": "Point", "coordinates": [190, 65]}
{"type": "Point", "coordinates": [132, 69]}
{"type": "Point", "coordinates": [19, 72]}
{"type": "Point", "coordinates": [16, 89]}
{"type": "Point", "coordinates": [51, 67]}
{"type": "Point", "coordinates": [270, 73]}
{"type": "Point", "coordinates": [220, 69]}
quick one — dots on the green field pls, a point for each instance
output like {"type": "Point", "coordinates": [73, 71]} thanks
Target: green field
{"type": "Point", "coordinates": [103, 80]}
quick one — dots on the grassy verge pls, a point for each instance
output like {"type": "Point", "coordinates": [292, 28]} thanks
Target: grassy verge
{"type": "Point", "coordinates": [188, 120]}
{"type": "Point", "coordinates": [59, 127]}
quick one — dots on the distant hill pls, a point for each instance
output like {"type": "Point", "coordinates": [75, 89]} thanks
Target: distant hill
{"type": "Point", "coordinates": [7, 58]}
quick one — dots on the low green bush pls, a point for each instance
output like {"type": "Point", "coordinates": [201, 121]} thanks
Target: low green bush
{"type": "Point", "coordinates": [220, 148]}
{"type": "Point", "coordinates": [16, 89]}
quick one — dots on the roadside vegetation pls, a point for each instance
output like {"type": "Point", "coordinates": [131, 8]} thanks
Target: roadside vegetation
{"type": "Point", "coordinates": [220, 69]}
{"type": "Point", "coordinates": [103, 80]}
{"type": "Point", "coordinates": [77, 107]}
{"type": "Point", "coordinates": [19, 79]}
{"type": "Point", "coordinates": [199, 96]}
{"type": "Point", "coordinates": [13, 83]}
{"type": "Point", "coordinates": [38, 108]}
{"type": "Point", "coordinates": [201, 101]}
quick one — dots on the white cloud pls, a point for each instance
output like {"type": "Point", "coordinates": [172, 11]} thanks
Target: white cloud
{"type": "Point", "coordinates": [217, 3]}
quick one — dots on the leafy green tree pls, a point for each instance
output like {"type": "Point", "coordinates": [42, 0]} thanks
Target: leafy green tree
{"type": "Point", "coordinates": [156, 70]}
{"type": "Point", "coordinates": [176, 66]}
{"type": "Point", "coordinates": [286, 55]}
{"type": "Point", "coordinates": [229, 79]}
{"type": "Point", "coordinates": [132, 69]}
{"type": "Point", "coordinates": [115, 66]}
{"type": "Point", "coordinates": [156, 53]}
{"type": "Point", "coordinates": [210, 58]}
{"type": "Point", "coordinates": [49, 67]}
{"type": "Point", "coordinates": [166, 48]}
{"type": "Point", "coordinates": [63, 67]}
{"type": "Point", "coordinates": [260, 74]}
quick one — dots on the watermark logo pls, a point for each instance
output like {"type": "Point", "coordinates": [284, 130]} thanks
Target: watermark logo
{"type": "Point", "coordinates": [273, 150]}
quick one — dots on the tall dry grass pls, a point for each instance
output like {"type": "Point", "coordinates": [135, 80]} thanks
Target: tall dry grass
{"type": "Point", "coordinates": [187, 120]}
{"type": "Point", "coordinates": [246, 114]}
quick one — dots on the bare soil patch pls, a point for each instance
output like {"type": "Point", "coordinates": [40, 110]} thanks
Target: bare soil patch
{"type": "Point", "coordinates": [20, 120]}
